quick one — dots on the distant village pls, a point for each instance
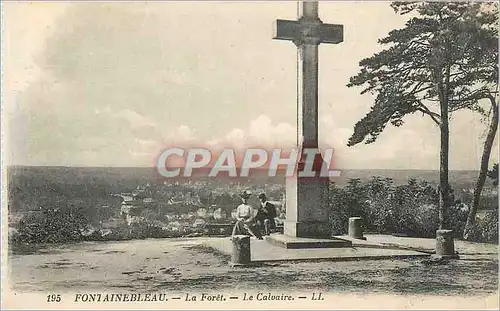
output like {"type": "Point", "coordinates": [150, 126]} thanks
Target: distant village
{"type": "Point", "coordinates": [181, 213]}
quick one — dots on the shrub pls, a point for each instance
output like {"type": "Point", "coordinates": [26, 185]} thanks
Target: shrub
{"type": "Point", "coordinates": [380, 212]}
{"type": "Point", "coordinates": [486, 228]}
{"type": "Point", "coordinates": [346, 202]}
{"type": "Point", "coordinates": [52, 226]}
{"type": "Point", "coordinates": [457, 216]}
{"type": "Point", "coordinates": [415, 209]}
{"type": "Point", "coordinates": [145, 229]}
{"type": "Point", "coordinates": [410, 209]}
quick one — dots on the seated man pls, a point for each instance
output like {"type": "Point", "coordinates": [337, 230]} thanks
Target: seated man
{"type": "Point", "coordinates": [245, 218]}
{"type": "Point", "coordinates": [266, 215]}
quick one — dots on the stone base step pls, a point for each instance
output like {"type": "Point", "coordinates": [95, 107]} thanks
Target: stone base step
{"type": "Point", "coordinates": [289, 242]}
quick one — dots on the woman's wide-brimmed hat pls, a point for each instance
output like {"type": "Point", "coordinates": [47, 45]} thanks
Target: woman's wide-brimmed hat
{"type": "Point", "coordinates": [246, 194]}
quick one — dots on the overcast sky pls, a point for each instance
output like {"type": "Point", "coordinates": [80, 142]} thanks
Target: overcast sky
{"type": "Point", "coordinates": [112, 84]}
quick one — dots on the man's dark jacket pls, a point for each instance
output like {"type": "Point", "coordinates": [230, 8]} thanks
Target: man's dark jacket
{"type": "Point", "coordinates": [267, 212]}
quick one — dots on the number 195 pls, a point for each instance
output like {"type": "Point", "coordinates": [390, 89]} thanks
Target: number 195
{"type": "Point", "coordinates": [54, 298]}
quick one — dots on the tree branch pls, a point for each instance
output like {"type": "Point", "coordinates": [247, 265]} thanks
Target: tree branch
{"type": "Point", "coordinates": [434, 116]}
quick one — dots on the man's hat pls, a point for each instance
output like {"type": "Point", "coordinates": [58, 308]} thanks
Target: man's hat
{"type": "Point", "coordinates": [262, 195]}
{"type": "Point", "coordinates": [245, 194]}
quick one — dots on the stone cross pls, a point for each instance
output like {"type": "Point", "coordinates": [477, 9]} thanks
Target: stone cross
{"type": "Point", "coordinates": [307, 198]}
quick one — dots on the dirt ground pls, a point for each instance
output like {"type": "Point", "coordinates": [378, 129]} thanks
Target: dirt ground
{"type": "Point", "coordinates": [185, 265]}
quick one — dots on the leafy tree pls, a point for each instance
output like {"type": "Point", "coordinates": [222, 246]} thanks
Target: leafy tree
{"type": "Point", "coordinates": [486, 67]}
{"type": "Point", "coordinates": [440, 62]}
{"type": "Point", "coordinates": [485, 159]}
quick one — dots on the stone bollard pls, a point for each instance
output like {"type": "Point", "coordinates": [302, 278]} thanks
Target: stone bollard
{"type": "Point", "coordinates": [445, 247]}
{"type": "Point", "coordinates": [241, 250]}
{"type": "Point", "coordinates": [356, 228]}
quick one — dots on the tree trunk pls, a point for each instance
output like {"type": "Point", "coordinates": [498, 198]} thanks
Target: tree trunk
{"type": "Point", "coordinates": [444, 187]}
{"type": "Point", "coordinates": [444, 191]}
{"type": "Point", "coordinates": [485, 160]}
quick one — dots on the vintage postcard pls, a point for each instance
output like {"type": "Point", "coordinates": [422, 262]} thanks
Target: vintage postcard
{"type": "Point", "coordinates": [249, 155]}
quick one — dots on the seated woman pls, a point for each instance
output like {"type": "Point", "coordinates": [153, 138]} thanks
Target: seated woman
{"type": "Point", "coordinates": [245, 222]}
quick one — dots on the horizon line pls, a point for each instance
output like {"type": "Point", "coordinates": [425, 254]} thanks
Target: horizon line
{"type": "Point", "coordinates": [180, 167]}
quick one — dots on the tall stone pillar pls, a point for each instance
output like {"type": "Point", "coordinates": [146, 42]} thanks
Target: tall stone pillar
{"type": "Point", "coordinates": [307, 198]}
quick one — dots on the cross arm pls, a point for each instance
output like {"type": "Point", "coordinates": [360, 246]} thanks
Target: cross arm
{"type": "Point", "coordinates": [298, 30]}
{"type": "Point", "coordinates": [331, 33]}
{"type": "Point", "coordinates": [286, 30]}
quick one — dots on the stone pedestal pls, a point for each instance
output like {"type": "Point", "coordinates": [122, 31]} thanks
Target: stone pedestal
{"type": "Point", "coordinates": [241, 250]}
{"type": "Point", "coordinates": [445, 247]}
{"type": "Point", "coordinates": [307, 208]}
{"type": "Point", "coordinates": [356, 228]}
